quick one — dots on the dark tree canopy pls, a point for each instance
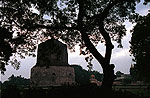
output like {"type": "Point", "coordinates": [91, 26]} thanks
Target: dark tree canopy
{"type": "Point", "coordinates": [17, 81]}
{"type": "Point", "coordinates": [75, 22]}
{"type": "Point", "coordinates": [82, 76]}
{"type": "Point", "coordinates": [22, 28]}
{"type": "Point", "coordinates": [119, 73]}
{"type": "Point", "coordinates": [140, 48]}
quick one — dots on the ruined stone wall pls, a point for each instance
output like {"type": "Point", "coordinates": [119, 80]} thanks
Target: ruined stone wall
{"type": "Point", "coordinates": [52, 76]}
{"type": "Point", "coordinates": [52, 53]}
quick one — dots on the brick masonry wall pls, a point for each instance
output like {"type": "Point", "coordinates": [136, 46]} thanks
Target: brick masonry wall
{"type": "Point", "coordinates": [52, 76]}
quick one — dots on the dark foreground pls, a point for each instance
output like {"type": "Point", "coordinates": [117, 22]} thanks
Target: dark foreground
{"type": "Point", "coordinates": [66, 92]}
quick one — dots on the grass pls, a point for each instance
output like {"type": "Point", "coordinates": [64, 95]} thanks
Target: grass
{"type": "Point", "coordinates": [141, 90]}
{"type": "Point", "coordinates": [71, 92]}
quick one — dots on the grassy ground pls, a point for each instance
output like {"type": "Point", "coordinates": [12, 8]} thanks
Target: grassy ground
{"type": "Point", "coordinates": [68, 92]}
{"type": "Point", "coordinates": [141, 90]}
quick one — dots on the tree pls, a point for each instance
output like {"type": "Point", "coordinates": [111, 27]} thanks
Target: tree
{"type": "Point", "coordinates": [0, 85]}
{"type": "Point", "coordinates": [76, 22]}
{"type": "Point", "coordinates": [82, 76]}
{"type": "Point", "coordinates": [140, 46]}
{"type": "Point", "coordinates": [119, 73]}
{"type": "Point", "coordinates": [17, 81]}
{"type": "Point", "coordinates": [133, 73]}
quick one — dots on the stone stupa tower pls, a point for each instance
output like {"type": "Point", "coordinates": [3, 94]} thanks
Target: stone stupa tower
{"type": "Point", "coordinates": [52, 68]}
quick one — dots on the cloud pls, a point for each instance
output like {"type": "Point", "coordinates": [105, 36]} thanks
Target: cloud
{"type": "Point", "coordinates": [142, 9]}
{"type": "Point", "coordinates": [24, 70]}
{"type": "Point", "coordinates": [122, 60]}
{"type": "Point", "coordinates": [123, 52]}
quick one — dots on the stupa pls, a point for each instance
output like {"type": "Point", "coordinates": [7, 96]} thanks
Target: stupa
{"type": "Point", "coordinates": [52, 68]}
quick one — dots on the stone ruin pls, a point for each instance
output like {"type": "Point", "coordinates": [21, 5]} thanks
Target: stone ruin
{"type": "Point", "coordinates": [52, 53]}
{"type": "Point", "coordinates": [52, 68]}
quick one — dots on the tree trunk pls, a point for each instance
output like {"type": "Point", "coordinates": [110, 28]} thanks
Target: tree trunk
{"type": "Point", "coordinates": [108, 69]}
{"type": "Point", "coordinates": [108, 77]}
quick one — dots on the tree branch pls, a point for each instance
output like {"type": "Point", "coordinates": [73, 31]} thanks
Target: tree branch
{"type": "Point", "coordinates": [85, 37]}
{"type": "Point", "coordinates": [105, 12]}
{"type": "Point", "coordinates": [53, 27]}
{"type": "Point", "coordinates": [109, 45]}
{"type": "Point", "coordinates": [100, 18]}
{"type": "Point", "coordinates": [92, 48]}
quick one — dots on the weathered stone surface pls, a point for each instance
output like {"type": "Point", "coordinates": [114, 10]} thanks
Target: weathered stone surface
{"type": "Point", "coordinates": [52, 76]}
{"type": "Point", "coordinates": [52, 68]}
{"type": "Point", "coordinates": [52, 53]}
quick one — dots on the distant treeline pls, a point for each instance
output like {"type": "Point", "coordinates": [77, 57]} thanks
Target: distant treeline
{"type": "Point", "coordinates": [17, 81]}
{"type": "Point", "coordinates": [82, 77]}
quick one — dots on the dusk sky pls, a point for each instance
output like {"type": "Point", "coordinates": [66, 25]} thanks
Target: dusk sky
{"type": "Point", "coordinates": [120, 56]}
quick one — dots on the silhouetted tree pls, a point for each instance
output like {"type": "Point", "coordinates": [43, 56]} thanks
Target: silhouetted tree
{"type": "Point", "coordinates": [82, 76]}
{"type": "Point", "coordinates": [76, 22]}
{"type": "Point", "coordinates": [16, 81]}
{"type": "Point", "coordinates": [127, 80]}
{"type": "Point", "coordinates": [0, 84]}
{"type": "Point", "coordinates": [119, 73]}
{"type": "Point", "coordinates": [133, 73]}
{"type": "Point", "coordinates": [140, 46]}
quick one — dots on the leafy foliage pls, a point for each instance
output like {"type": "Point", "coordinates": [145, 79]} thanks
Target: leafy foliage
{"type": "Point", "coordinates": [82, 76]}
{"type": "Point", "coordinates": [140, 46]}
{"type": "Point", "coordinates": [119, 73]}
{"type": "Point", "coordinates": [32, 21]}
{"type": "Point", "coordinates": [16, 81]}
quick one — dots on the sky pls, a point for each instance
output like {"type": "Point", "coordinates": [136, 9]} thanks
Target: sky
{"type": "Point", "coordinates": [120, 56]}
